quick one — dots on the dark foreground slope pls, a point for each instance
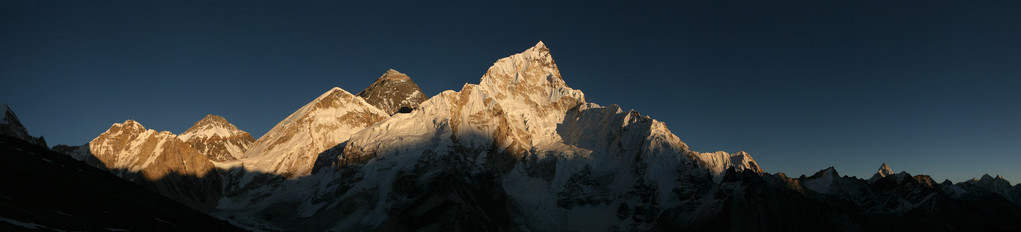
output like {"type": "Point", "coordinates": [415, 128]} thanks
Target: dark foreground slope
{"type": "Point", "coordinates": [41, 189]}
{"type": "Point", "coordinates": [774, 202]}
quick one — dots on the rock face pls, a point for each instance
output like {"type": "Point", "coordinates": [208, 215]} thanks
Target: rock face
{"type": "Point", "coordinates": [394, 92]}
{"type": "Point", "coordinates": [217, 139]}
{"type": "Point", "coordinates": [291, 147]}
{"type": "Point", "coordinates": [11, 126]}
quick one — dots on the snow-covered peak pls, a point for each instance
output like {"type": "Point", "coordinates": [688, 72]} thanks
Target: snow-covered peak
{"type": "Point", "coordinates": [535, 61]}
{"type": "Point", "coordinates": [291, 147]}
{"type": "Point", "coordinates": [884, 171]}
{"type": "Point", "coordinates": [217, 138]}
{"type": "Point", "coordinates": [528, 88]}
{"type": "Point", "coordinates": [128, 126]}
{"type": "Point", "coordinates": [211, 126]}
{"type": "Point", "coordinates": [130, 147]}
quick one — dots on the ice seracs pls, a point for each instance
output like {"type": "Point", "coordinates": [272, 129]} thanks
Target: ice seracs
{"type": "Point", "coordinates": [217, 138]}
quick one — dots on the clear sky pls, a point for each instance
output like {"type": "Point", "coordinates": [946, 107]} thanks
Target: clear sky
{"type": "Point", "coordinates": [930, 87]}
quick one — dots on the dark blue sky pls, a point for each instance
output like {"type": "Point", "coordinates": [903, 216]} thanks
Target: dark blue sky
{"type": "Point", "coordinates": [929, 87]}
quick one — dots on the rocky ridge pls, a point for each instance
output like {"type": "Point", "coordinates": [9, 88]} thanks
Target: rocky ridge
{"type": "Point", "coordinates": [11, 126]}
{"type": "Point", "coordinates": [394, 92]}
{"type": "Point", "coordinates": [290, 148]}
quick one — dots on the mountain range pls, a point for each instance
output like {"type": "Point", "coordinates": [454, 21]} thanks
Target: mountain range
{"type": "Point", "coordinates": [519, 151]}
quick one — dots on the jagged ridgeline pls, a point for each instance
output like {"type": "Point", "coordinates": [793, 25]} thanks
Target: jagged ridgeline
{"type": "Point", "coordinates": [519, 150]}
{"type": "Point", "coordinates": [11, 126]}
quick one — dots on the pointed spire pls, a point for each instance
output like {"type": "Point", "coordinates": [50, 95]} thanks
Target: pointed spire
{"type": "Point", "coordinates": [885, 170]}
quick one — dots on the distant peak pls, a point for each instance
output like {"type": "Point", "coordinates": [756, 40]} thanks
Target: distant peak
{"type": "Point", "coordinates": [130, 122]}
{"type": "Point", "coordinates": [832, 170]}
{"type": "Point", "coordinates": [209, 126]}
{"type": "Point", "coordinates": [334, 92]}
{"type": "Point", "coordinates": [213, 118]}
{"type": "Point", "coordinates": [394, 92]}
{"type": "Point", "coordinates": [130, 125]}
{"type": "Point", "coordinates": [885, 170]}
{"type": "Point", "coordinates": [392, 74]}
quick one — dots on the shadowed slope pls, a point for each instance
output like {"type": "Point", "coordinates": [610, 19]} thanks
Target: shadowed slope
{"type": "Point", "coordinates": [46, 190]}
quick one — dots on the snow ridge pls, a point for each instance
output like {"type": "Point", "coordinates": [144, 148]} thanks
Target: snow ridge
{"type": "Point", "coordinates": [718, 162]}
{"type": "Point", "coordinates": [291, 147]}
